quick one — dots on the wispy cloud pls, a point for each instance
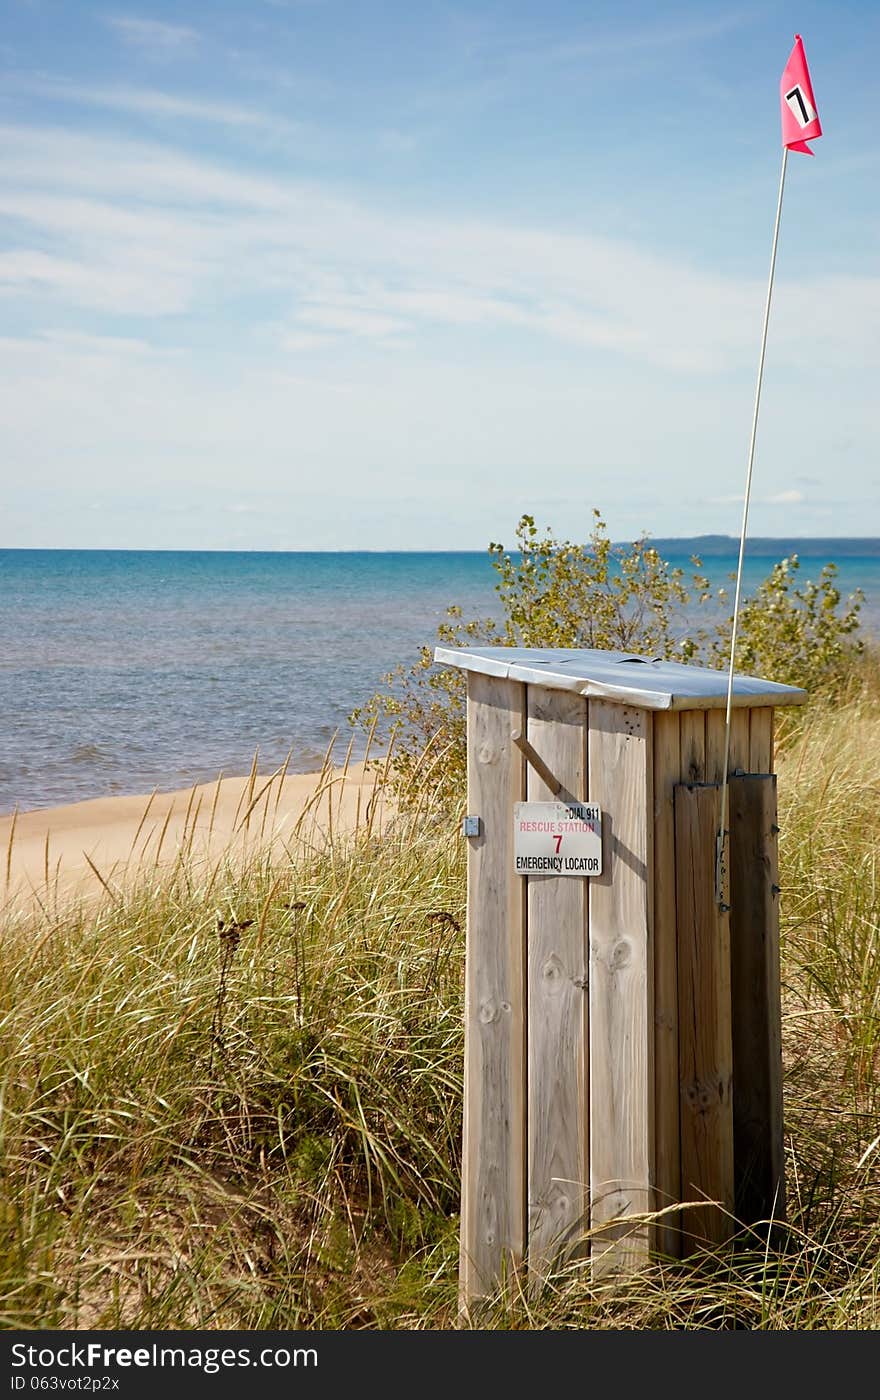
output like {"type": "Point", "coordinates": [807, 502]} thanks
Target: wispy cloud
{"type": "Point", "coordinates": [352, 320]}
{"type": "Point", "coordinates": [544, 49]}
{"type": "Point", "coordinates": [777, 498]}
{"type": "Point", "coordinates": [500, 57]}
{"type": "Point", "coordinates": [110, 222]}
{"type": "Point", "coordinates": [303, 342]}
{"type": "Point", "coordinates": [785, 498]}
{"type": "Point", "coordinates": [151, 102]}
{"type": "Point", "coordinates": [115, 345]}
{"type": "Point", "coordinates": [606, 64]}
{"type": "Point", "coordinates": [100, 283]}
{"type": "Point", "coordinates": [152, 34]}
{"type": "Point", "coordinates": [397, 142]}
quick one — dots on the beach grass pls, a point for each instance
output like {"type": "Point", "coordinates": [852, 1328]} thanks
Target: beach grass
{"type": "Point", "coordinates": [231, 1097]}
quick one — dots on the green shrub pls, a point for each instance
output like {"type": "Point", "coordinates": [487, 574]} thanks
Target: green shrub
{"type": "Point", "coordinates": [794, 635]}
{"type": "Point", "coordinates": [556, 593]}
{"type": "Point", "coordinates": [559, 594]}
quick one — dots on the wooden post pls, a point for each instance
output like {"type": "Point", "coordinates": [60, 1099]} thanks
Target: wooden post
{"type": "Point", "coordinates": [557, 1001]}
{"type": "Point", "coordinates": [705, 1051]}
{"type": "Point", "coordinates": [493, 1208]}
{"type": "Point", "coordinates": [622, 1033]}
{"type": "Point", "coordinates": [621, 984]}
{"type": "Point", "coordinates": [757, 1033]}
{"type": "Point", "coordinates": [667, 1130]}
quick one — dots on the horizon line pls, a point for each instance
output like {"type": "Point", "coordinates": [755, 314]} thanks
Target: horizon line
{"type": "Point", "coordinates": [734, 540]}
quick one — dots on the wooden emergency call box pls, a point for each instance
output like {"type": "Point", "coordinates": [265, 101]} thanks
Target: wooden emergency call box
{"type": "Point", "coordinates": [622, 1009]}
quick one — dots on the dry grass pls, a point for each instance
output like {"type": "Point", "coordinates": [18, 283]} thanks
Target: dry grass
{"type": "Point", "coordinates": [235, 1101]}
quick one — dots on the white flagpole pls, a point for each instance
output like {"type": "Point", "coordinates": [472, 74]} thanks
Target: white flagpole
{"type": "Point", "coordinates": [724, 816]}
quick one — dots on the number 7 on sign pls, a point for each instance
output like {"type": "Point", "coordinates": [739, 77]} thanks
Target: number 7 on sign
{"type": "Point", "coordinates": [558, 840]}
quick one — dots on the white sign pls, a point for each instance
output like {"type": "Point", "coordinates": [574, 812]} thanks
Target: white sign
{"type": "Point", "coordinates": [800, 106]}
{"type": "Point", "coordinates": [557, 838]}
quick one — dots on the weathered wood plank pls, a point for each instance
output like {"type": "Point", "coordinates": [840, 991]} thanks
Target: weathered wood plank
{"type": "Point", "coordinates": [714, 745]}
{"type": "Point", "coordinates": [557, 1002]}
{"type": "Point", "coordinates": [715, 740]}
{"type": "Point", "coordinates": [667, 1171]}
{"type": "Point", "coordinates": [693, 746]}
{"type": "Point", "coordinates": [761, 740]}
{"type": "Point", "coordinates": [759, 1165]}
{"type": "Point", "coordinates": [493, 1208]}
{"type": "Point", "coordinates": [621, 983]}
{"type": "Point", "coordinates": [738, 757]}
{"type": "Point", "coordinates": [704, 1039]}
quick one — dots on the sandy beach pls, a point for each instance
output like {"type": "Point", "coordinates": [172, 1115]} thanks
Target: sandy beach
{"type": "Point", "coordinates": [86, 849]}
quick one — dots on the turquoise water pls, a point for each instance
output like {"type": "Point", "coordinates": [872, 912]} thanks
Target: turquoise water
{"type": "Point", "coordinates": [123, 671]}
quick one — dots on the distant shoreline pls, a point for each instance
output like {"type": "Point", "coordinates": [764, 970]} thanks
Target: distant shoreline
{"type": "Point", "coordinates": [707, 546]}
{"type": "Point", "coordinates": [770, 546]}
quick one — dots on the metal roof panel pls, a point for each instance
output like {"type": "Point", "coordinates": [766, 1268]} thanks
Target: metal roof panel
{"type": "Point", "coordinates": [652, 683]}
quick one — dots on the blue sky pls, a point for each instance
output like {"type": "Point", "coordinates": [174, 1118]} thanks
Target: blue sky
{"type": "Point", "coordinates": [294, 274]}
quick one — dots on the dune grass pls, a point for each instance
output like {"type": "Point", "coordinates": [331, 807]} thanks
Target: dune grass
{"type": "Point", "coordinates": [234, 1099]}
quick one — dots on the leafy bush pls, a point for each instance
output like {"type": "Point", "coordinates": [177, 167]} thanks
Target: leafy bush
{"type": "Point", "coordinates": [556, 593]}
{"type": "Point", "coordinates": [794, 635]}
{"type": "Point", "coordinates": [559, 594]}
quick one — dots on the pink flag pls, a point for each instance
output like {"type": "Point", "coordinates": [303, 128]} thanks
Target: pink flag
{"type": "Point", "coordinates": [800, 119]}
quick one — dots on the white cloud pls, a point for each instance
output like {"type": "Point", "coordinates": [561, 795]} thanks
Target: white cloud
{"type": "Point", "coordinates": [152, 33]}
{"type": "Point", "coordinates": [599, 44]}
{"type": "Point", "coordinates": [828, 321]}
{"type": "Point", "coordinates": [436, 454]}
{"type": "Point", "coordinates": [143, 280]}
{"type": "Point", "coordinates": [785, 498]}
{"type": "Point", "coordinates": [115, 345]}
{"type": "Point", "coordinates": [115, 168]}
{"type": "Point", "coordinates": [153, 103]}
{"type": "Point", "coordinates": [537, 364]}
{"type": "Point", "coordinates": [134, 226]}
{"type": "Point", "coordinates": [397, 142]}
{"type": "Point", "coordinates": [110, 283]}
{"type": "Point", "coordinates": [297, 343]}
{"type": "Point", "coordinates": [351, 321]}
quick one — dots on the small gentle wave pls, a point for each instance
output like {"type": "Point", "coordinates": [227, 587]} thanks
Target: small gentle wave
{"type": "Point", "coordinates": [90, 753]}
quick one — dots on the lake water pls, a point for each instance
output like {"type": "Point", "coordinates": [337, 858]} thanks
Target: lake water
{"type": "Point", "coordinates": [124, 671]}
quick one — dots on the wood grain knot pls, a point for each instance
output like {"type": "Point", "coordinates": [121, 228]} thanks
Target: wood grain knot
{"type": "Point", "coordinates": [490, 1011]}
{"type": "Point", "coordinates": [704, 1095]}
{"type": "Point", "coordinates": [616, 1204]}
{"type": "Point", "coordinates": [553, 975]}
{"type": "Point", "coordinates": [621, 954]}
{"type": "Point", "coordinates": [487, 753]}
